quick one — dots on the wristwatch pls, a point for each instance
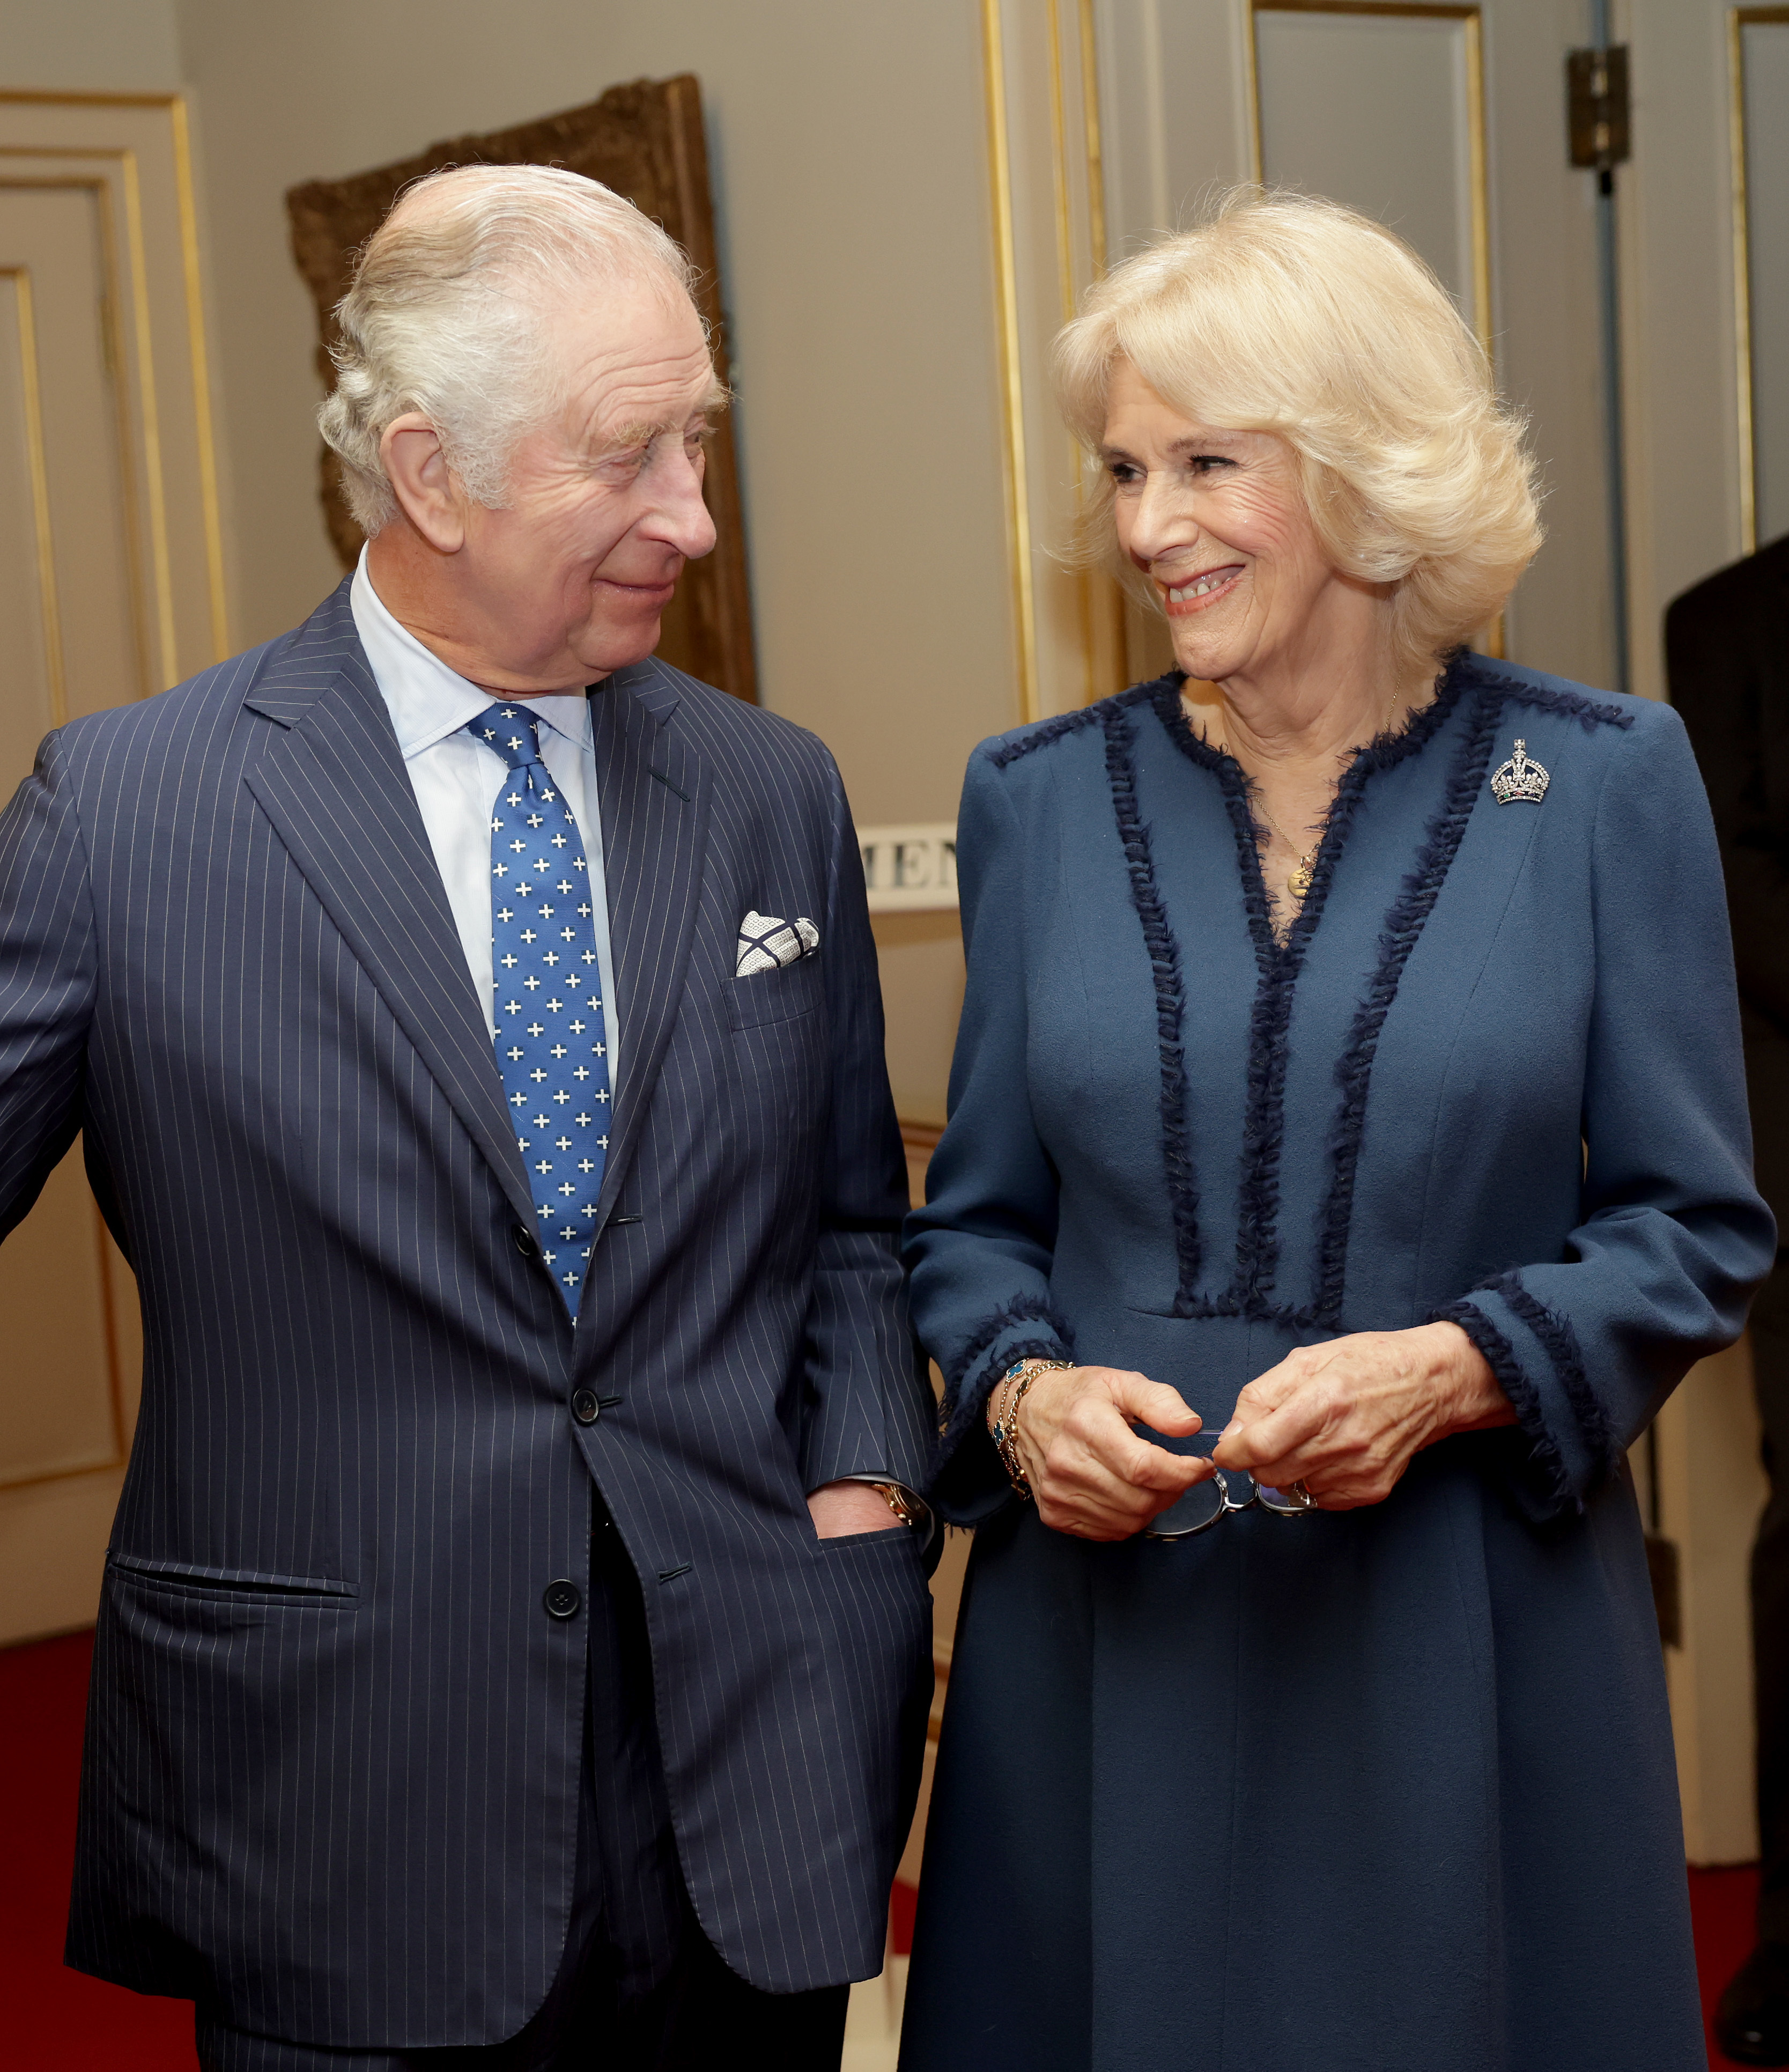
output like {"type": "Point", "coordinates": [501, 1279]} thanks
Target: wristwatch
{"type": "Point", "coordinates": [898, 1501]}
{"type": "Point", "coordinates": [909, 1507]}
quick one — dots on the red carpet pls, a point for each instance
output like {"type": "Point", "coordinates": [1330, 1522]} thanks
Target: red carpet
{"type": "Point", "coordinates": [54, 2020]}
{"type": "Point", "coordinates": [1721, 1904]}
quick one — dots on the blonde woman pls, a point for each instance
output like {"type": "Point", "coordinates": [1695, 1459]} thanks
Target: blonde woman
{"type": "Point", "coordinates": [1348, 1154]}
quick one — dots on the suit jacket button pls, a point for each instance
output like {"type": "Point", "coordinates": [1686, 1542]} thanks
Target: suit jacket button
{"type": "Point", "coordinates": [526, 1243]}
{"type": "Point", "coordinates": [562, 1599]}
{"type": "Point", "coordinates": [584, 1406]}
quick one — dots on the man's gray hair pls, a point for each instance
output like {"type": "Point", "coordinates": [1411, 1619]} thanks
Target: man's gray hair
{"type": "Point", "coordinates": [445, 317]}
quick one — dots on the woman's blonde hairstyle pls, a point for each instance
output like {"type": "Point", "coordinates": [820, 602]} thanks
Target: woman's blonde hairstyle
{"type": "Point", "coordinates": [446, 317]}
{"type": "Point", "coordinates": [1286, 314]}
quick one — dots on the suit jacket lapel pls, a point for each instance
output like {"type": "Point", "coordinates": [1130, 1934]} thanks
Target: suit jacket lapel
{"type": "Point", "coordinates": [334, 786]}
{"type": "Point", "coordinates": [654, 793]}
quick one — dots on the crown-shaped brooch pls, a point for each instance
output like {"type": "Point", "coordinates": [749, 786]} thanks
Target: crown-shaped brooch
{"type": "Point", "coordinates": [1520, 778]}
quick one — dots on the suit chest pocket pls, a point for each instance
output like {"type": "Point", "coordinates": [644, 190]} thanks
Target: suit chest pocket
{"type": "Point", "coordinates": [767, 998]}
{"type": "Point", "coordinates": [780, 1053]}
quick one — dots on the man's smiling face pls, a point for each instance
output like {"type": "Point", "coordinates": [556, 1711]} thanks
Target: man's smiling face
{"type": "Point", "coordinates": [605, 502]}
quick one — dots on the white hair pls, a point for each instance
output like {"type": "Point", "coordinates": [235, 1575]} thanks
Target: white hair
{"type": "Point", "coordinates": [1286, 314]}
{"type": "Point", "coordinates": [445, 317]}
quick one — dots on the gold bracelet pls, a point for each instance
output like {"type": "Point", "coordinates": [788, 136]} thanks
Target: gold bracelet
{"type": "Point", "coordinates": [1007, 1441]}
{"type": "Point", "coordinates": [995, 1418]}
{"type": "Point", "coordinates": [1018, 1379]}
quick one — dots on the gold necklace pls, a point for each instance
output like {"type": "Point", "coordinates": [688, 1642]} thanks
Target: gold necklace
{"type": "Point", "coordinates": [1302, 874]}
{"type": "Point", "coordinates": [1298, 882]}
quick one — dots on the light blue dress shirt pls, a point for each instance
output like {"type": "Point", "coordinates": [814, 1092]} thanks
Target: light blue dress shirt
{"type": "Point", "coordinates": [456, 781]}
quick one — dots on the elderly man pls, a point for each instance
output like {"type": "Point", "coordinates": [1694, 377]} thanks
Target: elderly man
{"type": "Point", "coordinates": [515, 1638]}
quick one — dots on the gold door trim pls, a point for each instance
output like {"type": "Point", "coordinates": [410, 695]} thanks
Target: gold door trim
{"type": "Point", "coordinates": [1090, 132]}
{"type": "Point", "coordinates": [1739, 19]}
{"type": "Point", "coordinates": [149, 404]}
{"type": "Point", "coordinates": [1012, 380]}
{"type": "Point", "coordinates": [1096, 593]}
{"type": "Point", "coordinates": [1074, 135]}
{"type": "Point", "coordinates": [21, 278]}
{"type": "Point", "coordinates": [201, 376]}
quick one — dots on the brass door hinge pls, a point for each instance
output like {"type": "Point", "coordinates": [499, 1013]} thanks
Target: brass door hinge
{"type": "Point", "coordinates": [1597, 108]}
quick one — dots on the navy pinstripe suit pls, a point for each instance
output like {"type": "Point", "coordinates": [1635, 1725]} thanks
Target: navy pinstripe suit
{"type": "Point", "coordinates": [331, 1780]}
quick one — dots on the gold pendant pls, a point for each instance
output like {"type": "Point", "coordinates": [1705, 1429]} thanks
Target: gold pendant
{"type": "Point", "coordinates": [1298, 884]}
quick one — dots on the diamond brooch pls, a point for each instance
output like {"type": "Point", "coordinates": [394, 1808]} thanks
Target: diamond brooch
{"type": "Point", "coordinates": [1520, 778]}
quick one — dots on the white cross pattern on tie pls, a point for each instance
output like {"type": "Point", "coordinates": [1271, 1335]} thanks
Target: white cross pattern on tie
{"type": "Point", "coordinates": [551, 1051]}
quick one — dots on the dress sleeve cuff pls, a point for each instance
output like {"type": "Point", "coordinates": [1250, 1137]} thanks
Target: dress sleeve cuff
{"type": "Point", "coordinates": [1534, 1353]}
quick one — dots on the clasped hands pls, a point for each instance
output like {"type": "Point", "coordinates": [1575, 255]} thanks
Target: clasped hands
{"type": "Point", "coordinates": [1344, 1419]}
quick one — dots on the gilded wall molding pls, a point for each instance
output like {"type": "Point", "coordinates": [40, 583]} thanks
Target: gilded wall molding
{"type": "Point", "coordinates": [1739, 20]}
{"type": "Point", "coordinates": [1047, 197]}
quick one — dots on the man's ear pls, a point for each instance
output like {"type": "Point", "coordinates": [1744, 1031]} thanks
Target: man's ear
{"type": "Point", "coordinates": [423, 483]}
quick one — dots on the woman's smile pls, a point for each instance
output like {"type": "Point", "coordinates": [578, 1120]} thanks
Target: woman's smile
{"type": "Point", "coordinates": [1198, 593]}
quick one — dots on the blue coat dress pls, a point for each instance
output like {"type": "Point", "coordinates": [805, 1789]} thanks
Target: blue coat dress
{"type": "Point", "coordinates": [1391, 1789]}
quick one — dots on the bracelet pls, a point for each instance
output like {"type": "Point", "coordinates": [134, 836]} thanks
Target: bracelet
{"type": "Point", "coordinates": [1017, 1381]}
{"type": "Point", "coordinates": [997, 1417]}
{"type": "Point", "coordinates": [1006, 1431]}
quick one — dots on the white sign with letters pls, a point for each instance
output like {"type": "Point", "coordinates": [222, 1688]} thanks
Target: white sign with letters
{"type": "Point", "coordinates": [909, 870]}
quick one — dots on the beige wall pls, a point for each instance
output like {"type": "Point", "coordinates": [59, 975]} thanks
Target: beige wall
{"type": "Point", "coordinates": [90, 46]}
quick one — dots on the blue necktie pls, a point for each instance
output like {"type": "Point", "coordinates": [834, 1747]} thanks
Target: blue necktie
{"type": "Point", "coordinates": [547, 995]}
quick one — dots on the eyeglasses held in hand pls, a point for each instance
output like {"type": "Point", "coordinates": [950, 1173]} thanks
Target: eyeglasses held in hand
{"type": "Point", "coordinates": [1206, 1504]}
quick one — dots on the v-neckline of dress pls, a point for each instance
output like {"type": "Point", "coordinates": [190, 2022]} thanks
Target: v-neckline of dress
{"type": "Point", "coordinates": [1283, 956]}
{"type": "Point", "coordinates": [1249, 1291]}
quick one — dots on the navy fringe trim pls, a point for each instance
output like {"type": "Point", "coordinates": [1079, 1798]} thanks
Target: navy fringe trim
{"type": "Point", "coordinates": [1500, 1356]}
{"type": "Point", "coordinates": [1257, 1243]}
{"type": "Point", "coordinates": [1280, 964]}
{"type": "Point", "coordinates": [1404, 925]}
{"type": "Point", "coordinates": [1049, 731]}
{"type": "Point", "coordinates": [963, 1399]}
{"type": "Point", "coordinates": [1560, 1341]}
{"type": "Point", "coordinates": [1164, 962]}
{"type": "Point", "coordinates": [1569, 704]}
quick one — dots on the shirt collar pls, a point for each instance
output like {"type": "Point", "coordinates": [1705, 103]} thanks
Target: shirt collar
{"type": "Point", "coordinates": [428, 701]}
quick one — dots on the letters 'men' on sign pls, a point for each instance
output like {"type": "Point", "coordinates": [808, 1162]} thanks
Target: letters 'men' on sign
{"type": "Point", "coordinates": [909, 869]}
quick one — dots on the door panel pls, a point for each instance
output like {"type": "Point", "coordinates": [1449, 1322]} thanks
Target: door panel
{"type": "Point", "coordinates": [1382, 112]}
{"type": "Point", "coordinates": [110, 583]}
{"type": "Point", "coordinates": [64, 483]}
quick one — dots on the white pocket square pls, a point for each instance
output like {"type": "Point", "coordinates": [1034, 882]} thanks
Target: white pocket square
{"type": "Point", "coordinates": [766, 943]}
